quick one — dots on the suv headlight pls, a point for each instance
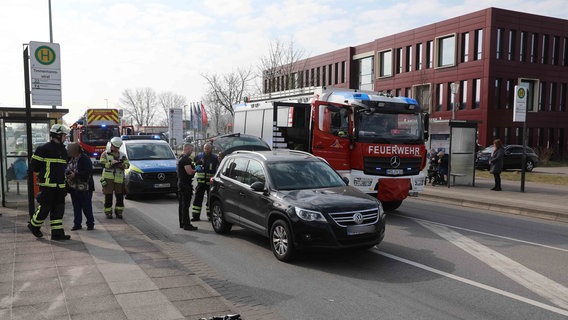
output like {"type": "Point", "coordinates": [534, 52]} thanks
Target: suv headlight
{"type": "Point", "coordinates": [309, 215]}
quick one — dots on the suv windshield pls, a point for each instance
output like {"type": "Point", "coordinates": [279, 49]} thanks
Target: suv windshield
{"type": "Point", "coordinates": [231, 143]}
{"type": "Point", "coordinates": [303, 175]}
{"type": "Point", "coordinates": [149, 151]}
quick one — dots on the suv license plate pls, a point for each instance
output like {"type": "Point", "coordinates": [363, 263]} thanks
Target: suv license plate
{"type": "Point", "coordinates": [162, 185]}
{"type": "Point", "coordinates": [354, 230]}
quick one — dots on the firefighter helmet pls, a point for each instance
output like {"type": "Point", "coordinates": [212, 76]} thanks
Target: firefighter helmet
{"type": "Point", "coordinates": [59, 129]}
{"type": "Point", "coordinates": [116, 142]}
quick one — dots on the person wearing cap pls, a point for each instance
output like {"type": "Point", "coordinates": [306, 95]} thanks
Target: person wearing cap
{"type": "Point", "coordinates": [114, 163]}
{"type": "Point", "coordinates": [49, 162]}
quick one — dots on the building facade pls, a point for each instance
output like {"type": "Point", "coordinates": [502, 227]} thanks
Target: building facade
{"type": "Point", "coordinates": [464, 68]}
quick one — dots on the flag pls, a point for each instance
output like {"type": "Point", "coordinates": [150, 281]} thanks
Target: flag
{"type": "Point", "coordinates": [204, 119]}
{"type": "Point", "coordinates": [199, 117]}
{"type": "Point", "coordinates": [190, 118]}
{"type": "Point", "coordinates": [195, 117]}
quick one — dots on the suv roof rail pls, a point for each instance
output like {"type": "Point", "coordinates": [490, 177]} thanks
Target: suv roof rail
{"type": "Point", "coordinates": [251, 152]}
{"type": "Point", "coordinates": [301, 152]}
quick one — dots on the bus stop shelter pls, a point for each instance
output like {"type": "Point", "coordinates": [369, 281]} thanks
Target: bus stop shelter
{"type": "Point", "coordinates": [14, 149]}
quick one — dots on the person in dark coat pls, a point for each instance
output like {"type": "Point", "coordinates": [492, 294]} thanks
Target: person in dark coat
{"type": "Point", "coordinates": [496, 163]}
{"type": "Point", "coordinates": [443, 164]}
{"type": "Point", "coordinates": [49, 162]}
{"type": "Point", "coordinates": [80, 185]}
{"type": "Point", "coordinates": [185, 172]}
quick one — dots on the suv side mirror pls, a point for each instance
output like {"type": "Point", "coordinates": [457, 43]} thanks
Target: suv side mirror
{"type": "Point", "coordinates": [257, 186]}
{"type": "Point", "coordinates": [345, 179]}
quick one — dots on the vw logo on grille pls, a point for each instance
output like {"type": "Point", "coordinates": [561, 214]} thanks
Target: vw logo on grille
{"type": "Point", "coordinates": [358, 218]}
{"type": "Point", "coordinates": [161, 176]}
{"type": "Point", "coordinates": [395, 161]}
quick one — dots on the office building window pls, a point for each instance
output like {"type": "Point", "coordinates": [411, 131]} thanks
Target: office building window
{"type": "Point", "coordinates": [464, 47]}
{"type": "Point", "coordinates": [552, 97]}
{"type": "Point", "coordinates": [497, 96]}
{"type": "Point", "coordinates": [512, 43]}
{"type": "Point", "coordinates": [336, 73]}
{"type": "Point", "coordinates": [534, 47]}
{"type": "Point", "coordinates": [408, 58]}
{"type": "Point", "coordinates": [385, 63]}
{"type": "Point", "coordinates": [318, 76]}
{"type": "Point", "coordinates": [555, 49]}
{"type": "Point", "coordinates": [508, 136]}
{"type": "Point", "coordinates": [398, 60]}
{"type": "Point", "coordinates": [476, 93]}
{"type": "Point", "coordinates": [421, 93]}
{"type": "Point", "coordinates": [463, 95]}
{"type": "Point", "coordinates": [523, 47]}
{"type": "Point", "coordinates": [398, 92]}
{"type": "Point", "coordinates": [429, 54]}
{"type": "Point", "coordinates": [408, 92]}
{"type": "Point", "coordinates": [478, 44]}
{"type": "Point", "coordinates": [446, 51]}
{"type": "Point", "coordinates": [544, 53]}
{"type": "Point", "coordinates": [439, 96]}
{"type": "Point", "coordinates": [419, 56]}
{"type": "Point", "coordinates": [329, 75]}
{"type": "Point", "coordinates": [451, 97]}
{"type": "Point", "coordinates": [565, 53]}
{"type": "Point", "coordinates": [562, 98]}
{"type": "Point", "coordinates": [343, 71]}
{"type": "Point", "coordinates": [510, 93]}
{"type": "Point", "coordinates": [499, 39]}
{"type": "Point", "coordinates": [366, 73]}
{"type": "Point", "coordinates": [541, 95]}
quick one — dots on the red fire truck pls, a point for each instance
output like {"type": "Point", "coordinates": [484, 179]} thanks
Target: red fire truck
{"type": "Point", "coordinates": [374, 139]}
{"type": "Point", "coordinates": [94, 129]}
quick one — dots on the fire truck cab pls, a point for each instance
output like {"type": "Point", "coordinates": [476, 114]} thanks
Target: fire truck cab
{"type": "Point", "coordinates": [374, 139]}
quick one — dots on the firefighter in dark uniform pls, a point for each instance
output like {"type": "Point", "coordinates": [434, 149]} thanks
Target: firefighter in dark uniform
{"type": "Point", "coordinates": [206, 164]}
{"type": "Point", "coordinates": [49, 162]}
{"type": "Point", "coordinates": [185, 173]}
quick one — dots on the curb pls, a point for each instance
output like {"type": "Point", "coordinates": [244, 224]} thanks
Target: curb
{"type": "Point", "coordinates": [527, 212]}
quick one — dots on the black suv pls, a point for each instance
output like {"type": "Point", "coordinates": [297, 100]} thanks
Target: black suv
{"type": "Point", "coordinates": [513, 158]}
{"type": "Point", "coordinates": [295, 199]}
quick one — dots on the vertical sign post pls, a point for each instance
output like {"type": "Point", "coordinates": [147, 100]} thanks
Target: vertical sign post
{"type": "Point", "coordinates": [520, 115]}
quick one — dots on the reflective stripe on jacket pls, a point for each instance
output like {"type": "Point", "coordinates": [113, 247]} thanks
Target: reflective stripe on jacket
{"type": "Point", "coordinates": [49, 162]}
{"type": "Point", "coordinates": [111, 172]}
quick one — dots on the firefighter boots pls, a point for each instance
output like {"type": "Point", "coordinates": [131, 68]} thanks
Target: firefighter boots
{"type": "Point", "coordinates": [35, 231]}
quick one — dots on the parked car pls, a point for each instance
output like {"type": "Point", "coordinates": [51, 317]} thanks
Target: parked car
{"type": "Point", "coordinates": [152, 166]}
{"type": "Point", "coordinates": [228, 143]}
{"type": "Point", "coordinates": [512, 160]}
{"type": "Point", "coordinates": [296, 200]}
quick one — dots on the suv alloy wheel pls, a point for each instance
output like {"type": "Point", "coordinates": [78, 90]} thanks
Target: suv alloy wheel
{"type": "Point", "coordinates": [281, 241]}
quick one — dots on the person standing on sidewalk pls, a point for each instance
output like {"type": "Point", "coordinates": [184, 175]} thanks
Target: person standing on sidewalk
{"type": "Point", "coordinates": [206, 164]}
{"type": "Point", "coordinates": [80, 186]}
{"type": "Point", "coordinates": [185, 173]}
{"type": "Point", "coordinates": [496, 163]}
{"type": "Point", "coordinates": [114, 163]}
{"type": "Point", "coordinates": [49, 162]}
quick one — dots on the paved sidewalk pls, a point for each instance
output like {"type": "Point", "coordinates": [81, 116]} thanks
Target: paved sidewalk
{"type": "Point", "coordinates": [112, 272]}
{"type": "Point", "coordinates": [538, 200]}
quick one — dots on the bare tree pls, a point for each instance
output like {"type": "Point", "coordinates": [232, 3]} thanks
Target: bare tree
{"type": "Point", "coordinates": [226, 90]}
{"type": "Point", "coordinates": [219, 116]}
{"type": "Point", "coordinates": [140, 104]}
{"type": "Point", "coordinates": [168, 100]}
{"type": "Point", "coordinates": [284, 62]}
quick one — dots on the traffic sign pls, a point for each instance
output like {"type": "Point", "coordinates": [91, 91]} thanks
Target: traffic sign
{"type": "Point", "coordinates": [520, 104]}
{"type": "Point", "coordinates": [45, 70]}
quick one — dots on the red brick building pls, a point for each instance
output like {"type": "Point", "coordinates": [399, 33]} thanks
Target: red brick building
{"type": "Point", "coordinates": [483, 55]}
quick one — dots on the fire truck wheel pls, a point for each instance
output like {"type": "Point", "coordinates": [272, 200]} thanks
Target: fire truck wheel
{"type": "Point", "coordinates": [391, 205]}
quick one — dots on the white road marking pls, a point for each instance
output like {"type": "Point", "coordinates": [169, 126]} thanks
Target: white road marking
{"type": "Point", "coordinates": [486, 233]}
{"type": "Point", "coordinates": [539, 284]}
{"type": "Point", "coordinates": [477, 284]}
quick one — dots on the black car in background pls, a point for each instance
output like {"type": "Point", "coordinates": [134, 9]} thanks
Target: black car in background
{"type": "Point", "coordinates": [513, 158]}
{"type": "Point", "coordinates": [296, 200]}
{"type": "Point", "coordinates": [228, 143]}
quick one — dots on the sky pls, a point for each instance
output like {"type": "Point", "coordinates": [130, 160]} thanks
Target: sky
{"type": "Point", "coordinates": [108, 46]}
